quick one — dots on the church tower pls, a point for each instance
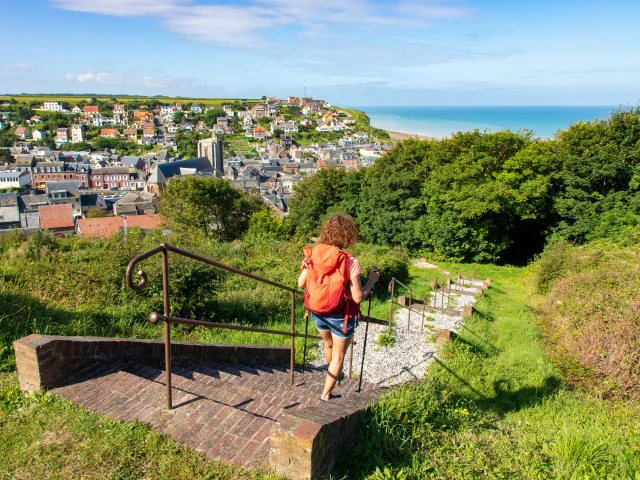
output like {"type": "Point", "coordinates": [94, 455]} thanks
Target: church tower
{"type": "Point", "coordinates": [211, 148]}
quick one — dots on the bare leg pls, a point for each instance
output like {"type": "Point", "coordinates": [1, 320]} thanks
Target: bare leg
{"type": "Point", "coordinates": [340, 346]}
{"type": "Point", "coordinates": [327, 341]}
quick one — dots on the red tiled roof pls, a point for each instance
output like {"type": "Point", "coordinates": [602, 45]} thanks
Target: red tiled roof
{"type": "Point", "coordinates": [91, 109]}
{"type": "Point", "coordinates": [151, 131]}
{"type": "Point", "coordinates": [107, 226]}
{"type": "Point", "coordinates": [100, 227]}
{"type": "Point", "coordinates": [146, 222]}
{"type": "Point", "coordinates": [108, 131]}
{"type": "Point", "coordinates": [56, 216]}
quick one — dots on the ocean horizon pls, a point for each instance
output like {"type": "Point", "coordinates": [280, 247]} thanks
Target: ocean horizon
{"type": "Point", "coordinates": [441, 122]}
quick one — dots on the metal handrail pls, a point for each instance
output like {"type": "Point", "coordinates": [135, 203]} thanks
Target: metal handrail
{"type": "Point", "coordinates": [392, 289]}
{"type": "Point", "coordinates": [169, 248]}
{"type": "Point", "coordinates": [156, 317]}
{"type": "Point", "coordinates": [164, 249]}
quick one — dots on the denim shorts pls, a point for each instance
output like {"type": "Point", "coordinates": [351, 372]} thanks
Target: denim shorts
{"type": "Point", "coordinates": [335, 323]}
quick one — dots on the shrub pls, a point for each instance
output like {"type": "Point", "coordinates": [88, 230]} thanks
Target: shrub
{"type": "Point", "coordinates": [591, 314]}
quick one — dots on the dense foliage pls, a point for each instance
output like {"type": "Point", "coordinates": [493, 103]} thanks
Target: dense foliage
{"type": "Point", "coordinates": [591, 314]}
{"type": "Point", "coordinates": [489, 196]}
{"type": "Point", "coordinates": [211, 205]}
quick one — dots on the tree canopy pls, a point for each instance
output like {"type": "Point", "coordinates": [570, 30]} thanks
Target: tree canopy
{"type": "Point", "coordinates": [488, 196]}
{"type": "Point", "coordinates": [208, 204]}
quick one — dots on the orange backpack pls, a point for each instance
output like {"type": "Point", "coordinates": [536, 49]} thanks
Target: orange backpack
{"type": "Point", "coordinates": [327, 288]}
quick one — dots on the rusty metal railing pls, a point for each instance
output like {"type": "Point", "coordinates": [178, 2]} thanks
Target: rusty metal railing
{"type": "Point", "coordinates": [412, 299]}
{"type": "Point", "coordinates": [166, 317]}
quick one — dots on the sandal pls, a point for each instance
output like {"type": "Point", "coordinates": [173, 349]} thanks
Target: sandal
{"type": "Point", "coordinates": [331, 397]}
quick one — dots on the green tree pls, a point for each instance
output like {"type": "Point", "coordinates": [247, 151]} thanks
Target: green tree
{"type": "Point", "coordinates": [329, 190]}
{"type": "Point", "coordinates": [265, 225]}
{"type": "Point", "coordinates": [208, 204]}
{"type": "Point", "coordinates": [211, 116]}
{"type": "Point", "coordinates": [178, 117]}
{"type": "Point", "coordinates": [96, 213]}
{"type": "Point", "coordinates": [5, 156]}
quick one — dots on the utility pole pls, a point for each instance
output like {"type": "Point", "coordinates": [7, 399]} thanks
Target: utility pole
{"type": "Point", "coordinates": [304, 85]}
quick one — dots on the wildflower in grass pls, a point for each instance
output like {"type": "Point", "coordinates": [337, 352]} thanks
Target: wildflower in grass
{"type": "Point", "coordinates": [464, 411]}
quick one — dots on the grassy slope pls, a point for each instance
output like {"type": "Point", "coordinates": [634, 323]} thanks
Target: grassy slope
{"type": "Point", "coordinates": [494, 407]}
{"type": "Point", "coordinates": [74, 99]}
{"type": "Point", "coordinates": [42, 436]}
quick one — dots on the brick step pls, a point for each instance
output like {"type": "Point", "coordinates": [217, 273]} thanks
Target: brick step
{"type": "Point", "coordinates": [225, 411]}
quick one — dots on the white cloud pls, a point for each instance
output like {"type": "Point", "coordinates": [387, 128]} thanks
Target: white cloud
{"type": "Point", "coordinates": [250, 24]}
{"type": "Point", "coordinates": [85, 77]}
{"type": "Point", "coordinates": [91, 76]}
{"type": "Point", "coordinates": [430, 10]}
{"type": "Point", "coordinates": [226, 25]}
{"type": "Point", "coordinates": [20, 67]}
{"type": "Point", "coordinates": [120, 8]}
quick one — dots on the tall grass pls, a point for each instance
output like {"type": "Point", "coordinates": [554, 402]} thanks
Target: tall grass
{"type": "Point", "coordinates": [592, 314]}
{"type": "Point", "coordinates": [495, 406]}
{"type": "Point", "coordinates": [76, 286]}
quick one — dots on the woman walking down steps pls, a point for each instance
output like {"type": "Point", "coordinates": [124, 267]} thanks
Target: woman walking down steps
{"type": "Point", "coordinates": [333, 291]}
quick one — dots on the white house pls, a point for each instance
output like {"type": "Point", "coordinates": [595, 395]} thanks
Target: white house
{"type": "Point", "coordinates": [62, 134]}
{"type": "Point", "coordinates": [167, 110]}
{"type": "Point", "coordinates": [361, 137]}
{"type": "Point", "coordinates": [38, 134]}
{"type": "Point", "coordinates": [228, 110]}
{"type": "Point", "coordinates": [77, 133]}
{"type": "Point", "coordinates": [369, 152]}
{"type": "Point", "coordinates": [52, 106]}
{"type": "Point", "coordinates": [195, 108]}
{"type": "Point", "coordinates": [322, 127]}
{"type": "Point", "coordinates": [76, 109]}
{"type": "Point", "coordinates": [14, 179]}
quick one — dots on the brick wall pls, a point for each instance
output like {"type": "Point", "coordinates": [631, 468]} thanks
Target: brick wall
{"type": "Point", "coordinates": [305, 443]}
{"type": "Point", "coordinates": [45, 361]}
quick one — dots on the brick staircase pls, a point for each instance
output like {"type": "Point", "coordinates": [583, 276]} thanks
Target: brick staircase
{"type": "Point", "coordinates": [225, 412]}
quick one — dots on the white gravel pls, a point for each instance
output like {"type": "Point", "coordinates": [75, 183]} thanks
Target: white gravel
{"type": "Point", "coordinates": [411, 353]}
{"type": "Point", "coordinates": [422, 263]}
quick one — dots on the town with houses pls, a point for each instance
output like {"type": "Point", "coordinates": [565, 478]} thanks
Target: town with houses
{"type": "Point", "coordinates": [98, 168]}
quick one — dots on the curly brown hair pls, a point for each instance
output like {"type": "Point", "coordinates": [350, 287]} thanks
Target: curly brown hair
{"type": "Point", "coordinates": [339, 230]}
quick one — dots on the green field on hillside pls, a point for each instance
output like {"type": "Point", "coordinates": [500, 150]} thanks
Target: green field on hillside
{"type": "Point", "coordinates": [494, 404]}
{"type": "Point", "coordinates": [74, 99]}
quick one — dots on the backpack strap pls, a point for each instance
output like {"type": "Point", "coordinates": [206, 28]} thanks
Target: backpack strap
{"type": "Point", "coordinates": [346, 294]}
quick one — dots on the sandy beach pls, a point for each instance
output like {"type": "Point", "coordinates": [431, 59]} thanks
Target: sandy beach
{"type": "Point", "coordinates": [400, 136]}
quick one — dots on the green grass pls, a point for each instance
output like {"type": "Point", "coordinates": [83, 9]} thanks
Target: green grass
{"type": "Point", "coordinates": [43, 436]}
{"type": "Point", "coordinates": [74, 99]}
{"type": "Point", "coordinates": [494, 406]}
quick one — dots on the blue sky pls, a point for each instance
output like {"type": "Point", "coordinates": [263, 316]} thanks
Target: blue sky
{"type": "Point", "coordinates": [351, 52]}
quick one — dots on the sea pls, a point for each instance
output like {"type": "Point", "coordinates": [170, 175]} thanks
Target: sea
{"type": "Point", "coordinates": [441, 122]}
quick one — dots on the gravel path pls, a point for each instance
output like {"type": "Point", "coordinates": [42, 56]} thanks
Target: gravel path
{"type": "Point", "coordinates": [411, 352]}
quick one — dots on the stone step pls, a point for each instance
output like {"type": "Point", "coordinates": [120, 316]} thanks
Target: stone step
{"type": "Point", "coordinates": [225, 412]}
